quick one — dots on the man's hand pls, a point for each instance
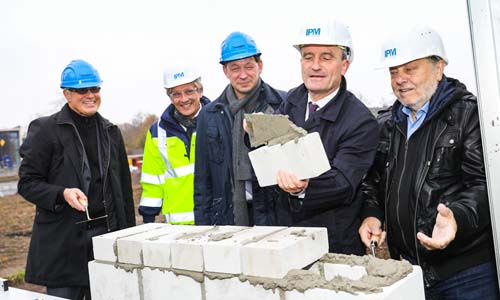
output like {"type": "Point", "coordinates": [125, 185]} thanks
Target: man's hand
{"type": "Point", "coordinates": [443, 232]}
{"type": "Point", "coordinates": [290, 183]}
{"type": "Point", "coordinates": [371, 230]}
{"type": "Point", "coordinates": [75, 198]}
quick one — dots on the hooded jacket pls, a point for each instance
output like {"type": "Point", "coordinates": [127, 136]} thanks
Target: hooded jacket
{"type": "Point", "coordinates": [449, 169]}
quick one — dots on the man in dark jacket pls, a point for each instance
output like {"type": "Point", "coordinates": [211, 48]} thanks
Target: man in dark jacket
{"type": "Point", "coordinates": [347, 129]}
{"type": "Point", "coordinates": [225, 184]}
{"type": "Point", "coordinates": [74, 166]}
{"type": "Point", "coordinates": [428, 184]}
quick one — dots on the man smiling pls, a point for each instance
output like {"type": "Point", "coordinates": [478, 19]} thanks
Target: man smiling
{"type": "Point", "coordinates": [428, 185]}
{"type": "Point", "coordinates": [169, 151]}
{"type": "Point", "coordinates": [225, 185]}
{"type": "Point", "coordinates": [347, 129]}
{"type": "Point", "coordinates": [74, 166]}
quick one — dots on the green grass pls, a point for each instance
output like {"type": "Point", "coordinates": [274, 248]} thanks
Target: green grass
{"type": "Point", "coordinates": [16, 278]}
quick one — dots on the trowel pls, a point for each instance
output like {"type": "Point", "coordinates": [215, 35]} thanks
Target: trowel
{"type": "Point", "coordinates": [86, 206]}
{"type": "Point", "coordinates": [373, 246]}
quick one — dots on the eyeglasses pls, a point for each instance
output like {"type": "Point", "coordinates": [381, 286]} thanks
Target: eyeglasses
{"type": "Point", "coordinates": [187, 92]}
{"type": "Point", "coordinates": [83, 91]}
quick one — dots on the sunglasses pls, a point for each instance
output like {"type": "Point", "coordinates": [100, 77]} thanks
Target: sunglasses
{"type": "Point", "coordinates": [83, 91]}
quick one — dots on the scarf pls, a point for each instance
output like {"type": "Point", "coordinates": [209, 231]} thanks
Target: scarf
{"type": "Point", "coordinates": [242, 168]}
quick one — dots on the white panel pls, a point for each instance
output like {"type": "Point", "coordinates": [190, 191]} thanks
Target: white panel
{"type": "Point", "coordinates": [484, 17]}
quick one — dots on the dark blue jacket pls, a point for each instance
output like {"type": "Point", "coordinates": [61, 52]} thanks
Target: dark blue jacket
{"type": "Point", "coordinates": [213, 176]}
{"type": "Point", "coordinates": [349, 133]}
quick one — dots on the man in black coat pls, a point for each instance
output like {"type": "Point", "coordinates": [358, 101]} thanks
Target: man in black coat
{"type": "Point", "coordinates": [347, 129]}
{"type": "Point", "coordinates": [74, 165]}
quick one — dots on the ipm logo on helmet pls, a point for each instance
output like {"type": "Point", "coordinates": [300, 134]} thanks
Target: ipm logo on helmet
{"type": "Point", "coordinates": [390, 52]}
{"type": "Point", "coordinates": [178, 75]}
{"type": "Point", "coordinates": [313, 31]}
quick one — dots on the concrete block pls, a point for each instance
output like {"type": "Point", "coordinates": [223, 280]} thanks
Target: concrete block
{"type": "Point", "coordinates": [351, 272]}
{"type": "Point", "coordinates": [156, 252]}
{"type": "Point", "coordinates": [306, 158]}
{"type": "Point", "coordinates": [292, 248]}
{"type": "Point", "coordinates": [162, 284]}
{"type": "Point", "coordinates": [104, 245]}
{"type": "Point", "coordinates": [108, 282]}
{"type": "Point", "coordinates": [129, 248]}
{"type": "Point", "coordinates": [409, 288]}
{"type": "Point", "coordinates": [224, 256]}
{"type": "Point", "coordinates": [187, 252]}
{"type": "Point", "coordinates": [233, 288]}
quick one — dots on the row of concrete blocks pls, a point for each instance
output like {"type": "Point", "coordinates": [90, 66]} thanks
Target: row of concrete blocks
{"type": "Point", "coordinates": [159, 261]}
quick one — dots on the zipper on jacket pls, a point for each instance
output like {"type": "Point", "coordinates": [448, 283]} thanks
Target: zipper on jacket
{"type": "Point", "coordinates": [104, 180]}
{"type": "Point", "coordinates": [398, 191]}
{"type": "Point", "coordinates": [420, 184]}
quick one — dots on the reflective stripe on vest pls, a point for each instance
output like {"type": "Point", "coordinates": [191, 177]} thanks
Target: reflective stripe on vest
{"type": "Point", "coordinates": [152, 179]}
{"type": "Point", "coordinates": [151, 202]}
{"type": "Point", "coordinates": [162, 146]}
{"type": "Point", "coordinates": [179, 217]}
{"type": "Point", "coordinates": [170, 171]}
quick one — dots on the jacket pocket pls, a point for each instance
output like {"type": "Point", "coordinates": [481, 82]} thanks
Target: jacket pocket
{"type": "Point", "coordinates": [43, 216]}
{"type": "Point", "coordinates": [446, 160]}
{"type": "Point", "coordinates": [215, 149]}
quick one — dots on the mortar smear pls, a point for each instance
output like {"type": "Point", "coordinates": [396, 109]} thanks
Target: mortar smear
{"type": "Point", "coordinates": [265, 129]}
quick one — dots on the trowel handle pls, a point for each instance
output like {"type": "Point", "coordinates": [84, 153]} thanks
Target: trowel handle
{"type": "Point", "coordinates": [85, 204]}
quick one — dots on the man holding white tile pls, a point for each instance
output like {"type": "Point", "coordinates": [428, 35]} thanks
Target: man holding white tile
{"type": "Point", "coordinates": [347, 129]}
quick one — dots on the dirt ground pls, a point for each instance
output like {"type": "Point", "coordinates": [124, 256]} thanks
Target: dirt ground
{"type": "Point", "coordinates": [16, 220]}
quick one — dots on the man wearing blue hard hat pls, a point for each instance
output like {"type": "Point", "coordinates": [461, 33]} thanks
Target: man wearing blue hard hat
{"type": "Point", "coordinates": [225, 185]}
{"type": "Point", "coordinates": [75, 171]}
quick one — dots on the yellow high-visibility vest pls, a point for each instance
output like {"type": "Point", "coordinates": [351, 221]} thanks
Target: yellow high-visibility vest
{"type": "Point", "coordinates": [168, 176]}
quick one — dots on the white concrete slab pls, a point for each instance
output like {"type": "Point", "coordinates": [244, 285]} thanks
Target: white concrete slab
{"type": "Point", "coordinates": [156, 252]}
{"type": "Point", "coordinates": [408, 288]}
{"type": "Point", "coordinates": [130, 247]}
{"type": "Point", "coordinates": [187, 252]}
{"type": "Point", "coordinates": [306, 158]}
{"type": "Point", "coordinates": [161, 285]}
{"type": "Point", "coordinates": [19, 294]}
{"type": "Point", "coordinates": [233, 288]}
{"type": "Point", "coordinates": [224, 256]}
{"type": "Point", "coordinates": [293, 248]}
{"type": "Point", "coordinates": [351, 272]}
{"type": "Point", "coordinates": [104, 245]}
{"type": "Point", "coordinates": [108, 282]}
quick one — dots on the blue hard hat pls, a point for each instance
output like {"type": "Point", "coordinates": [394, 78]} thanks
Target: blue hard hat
{"type": "Point", "coordinates": [237, 45]}
{"type": "Point", "coordinates": [80, 74]}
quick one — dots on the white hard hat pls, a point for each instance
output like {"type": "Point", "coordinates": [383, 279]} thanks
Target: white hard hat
{"type": "Point", "coordinates": [329, 32]}
{"type": "Point", "coordinates": [179, 74]}
{"type": "Point", "coordinates": [420, 42]}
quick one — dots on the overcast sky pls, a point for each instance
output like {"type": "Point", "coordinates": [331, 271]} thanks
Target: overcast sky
{"type": "Point", "coordinates": [130, 42]}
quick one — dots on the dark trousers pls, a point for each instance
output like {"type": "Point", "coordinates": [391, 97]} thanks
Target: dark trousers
{"type": "Point", "coordinates": [79, 292]}
{"type": "Point", "coordinates": [476, 283]}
